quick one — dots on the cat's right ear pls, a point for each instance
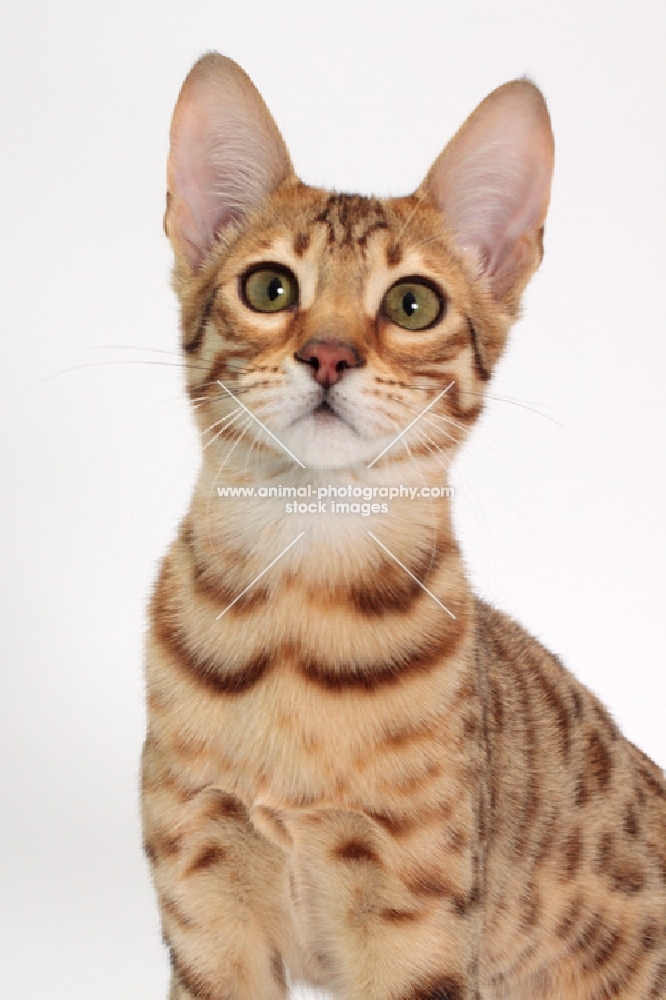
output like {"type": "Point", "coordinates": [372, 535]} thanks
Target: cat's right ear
{"type": "Point", "coordinates": [226, 156]}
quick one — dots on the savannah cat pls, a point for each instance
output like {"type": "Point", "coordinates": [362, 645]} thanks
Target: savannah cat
{"type": "Point", "coordinates": [357, 774]}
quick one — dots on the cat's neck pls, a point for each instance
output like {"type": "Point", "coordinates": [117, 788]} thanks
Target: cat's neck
{"type": "Point", "coordinates": [343, 523]}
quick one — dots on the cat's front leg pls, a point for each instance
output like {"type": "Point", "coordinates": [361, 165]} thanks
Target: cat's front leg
{"type": "Point", "coordinates": [221, 889]}
{"type": "Point", "coordinates": [382, 920]}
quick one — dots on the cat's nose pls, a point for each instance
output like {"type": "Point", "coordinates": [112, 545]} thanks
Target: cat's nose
{"type": "Point", "coordinates": [328, 359]}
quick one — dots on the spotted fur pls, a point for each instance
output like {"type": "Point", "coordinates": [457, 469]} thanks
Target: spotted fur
{"type": "Point", "coordinates": [346, 781]}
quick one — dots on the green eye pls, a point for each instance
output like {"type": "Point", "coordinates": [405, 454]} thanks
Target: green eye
{"type": "Point", "coordinates": [413, 305]}
{"type": "Point", "coordinates": [270, 289]}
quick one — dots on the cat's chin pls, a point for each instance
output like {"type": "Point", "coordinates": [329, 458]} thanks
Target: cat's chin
{"type": "Point", "coordinates": [323, 440]}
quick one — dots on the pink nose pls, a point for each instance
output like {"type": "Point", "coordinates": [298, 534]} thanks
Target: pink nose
{"type": "Point", "coordinates": [328, 360]}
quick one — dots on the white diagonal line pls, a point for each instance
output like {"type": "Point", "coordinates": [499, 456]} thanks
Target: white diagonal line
{"type": "Point", "coordinates": [258, 577]}
{"type": "Point", "coordinates": [409, 573]}
{"type": "Point", "coordinates": [283, 446]}
{"type": "Point", "coordinates": [417, 417]}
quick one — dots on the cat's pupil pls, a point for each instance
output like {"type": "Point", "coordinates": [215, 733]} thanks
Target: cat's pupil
{"type": "Point", "coordinates": [409, 303]}
{"type": "Point", "coordinates": [275, 288]}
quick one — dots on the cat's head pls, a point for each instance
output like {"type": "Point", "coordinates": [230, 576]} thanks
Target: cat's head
{"type": "Point", "coordinates": [337, 319]}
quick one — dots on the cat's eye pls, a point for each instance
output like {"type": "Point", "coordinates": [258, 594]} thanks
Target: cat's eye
{"type": "Point", "coordinates": [270, 289]}
{"type": "Point", "coordinates": [413, 304]}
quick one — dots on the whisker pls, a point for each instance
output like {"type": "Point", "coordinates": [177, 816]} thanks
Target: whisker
{"type": "Point", "coordinates": [493, 397]}
{"type": "Point", "coordinates": [486, 444]}
{"type": "Point", "coordinates": [227, 421]}
{"type": "Point", "coordinates": [477, 507]}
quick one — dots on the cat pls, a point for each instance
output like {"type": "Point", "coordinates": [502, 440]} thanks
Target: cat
{"type": "Point", "coordinates": [357, 774]}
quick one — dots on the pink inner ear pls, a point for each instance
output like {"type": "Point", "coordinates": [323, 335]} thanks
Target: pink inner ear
{"type": "Point", "coordinates": [492, 182]}
{"type": "Point", "coordinates": [226, 155]}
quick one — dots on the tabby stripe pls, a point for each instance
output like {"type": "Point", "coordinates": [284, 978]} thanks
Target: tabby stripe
{"type": "Point", "coordinates": [206, 671]}
{"type": "Point", "coordinates": [370, 677]}
{"type": "Point", "coordinates": [209, 857]}
{"type": "Point", "coordinates": [192, 345]}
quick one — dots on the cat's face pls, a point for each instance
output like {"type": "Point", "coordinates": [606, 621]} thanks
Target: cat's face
{"type": "Point", "coordinates": [336, 320]}
{"type": "Point", "coordinates": [340, 318]}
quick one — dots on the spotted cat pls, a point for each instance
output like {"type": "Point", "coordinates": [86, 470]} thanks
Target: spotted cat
{"type": "Point", "coordinates": [357, 774]}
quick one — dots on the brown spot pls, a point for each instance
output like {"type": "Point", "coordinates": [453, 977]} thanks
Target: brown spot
{"type": "Point", "coordinates": [658, 989]}
{"type": "Point", "coordinates": [577, 703]}
{"type": "Point", "coordinates": [631, 821]}
{"type": "Point", "coordinates": [192, 981]}
{"type": "Point", "coordinates": [209, 857]}
{"type": "Point", "coordinates": [650, 936]}
{"type": "Point", "coordinates": [470, 725]}
{"type": "Point", "coordinates": [393, 254]}
{"type": "Point", "coordinates": [458, 840]}
{"type": "Point", "coordinates": [590, 934]}
{"type": "Point", "coordinates": [356, 850]}
{"type": "Point", "coordinates": [373, 228]}
{"type": "Point", "coordinates": [446, 988]}
{"type": "Point", "coordinates": [626, 878]}
{"type": "Point", "coordinates": [395, 916]}
{"type": "Point", "coordinates": [430, 883]}
{"type": "Point", "coordinates": [605, 719]}
{"type": "Point", "coordinates": [404, 735]}
{"type": "Point", "coordinates": [194, 343]}
{"type": "Point", "coordinates": [225, 806]}
{"type": "Point", "coordinates": [170, 907]}
{"type": "Point", "coordinates": [480, 367]}
{"type": "Point", "coordinates": [397, 826]}
{"type": "Point", "coordinates": [605, 950]}
{"type": "Point", "coordinates": [301, 243]}
{"type": "Point", "coordinates": [278, 970]}
{"type": "Point", "coordinates": [605, 851]}
{"type": "Point", "coordinates": [463, 904]}
{"type": "Point", "coordinates": [570, 918]}
{"type": "Point", "coordinates": [653, 780]}
{"type": "Point", "coordinates": [573, 850]}
{"type": "Point", "coordinates": [581, 792]}
{"type": "Point", "coordinates": [599, 760]}
{"type": "Point", "coordinates": [497, 706]}
{"type": "Point", "coordinates": [531, 904]}
{"type": "Point", "coordinates": [162, 845]}
{"type": "Point", "coordinates": [209, 584]}
{"type": "Point", "coordinates": [383, 595]}
{"type": "Point", "coordinates": [558, 708]}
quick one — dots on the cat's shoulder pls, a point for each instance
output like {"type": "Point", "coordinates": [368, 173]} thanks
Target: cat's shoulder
{"type": "Point", "coordinates": [519, 671]}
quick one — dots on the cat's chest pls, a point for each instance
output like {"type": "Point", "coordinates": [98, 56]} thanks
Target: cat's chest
{"type": "Point", "coordinates": [286, 744]}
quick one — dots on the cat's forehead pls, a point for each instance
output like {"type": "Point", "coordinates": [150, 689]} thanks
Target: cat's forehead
{"type": "Point", "coordinates": [348, 237]}
{"type": "Point", "coordinates": [350, 219]}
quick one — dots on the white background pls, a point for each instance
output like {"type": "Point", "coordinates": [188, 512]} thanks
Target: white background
{"type": "Point", "coordinates": [560, 493]}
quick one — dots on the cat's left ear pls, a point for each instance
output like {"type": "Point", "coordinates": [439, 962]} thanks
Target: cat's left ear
{"type": "Point", "coordinates": [492, 186]}
{"type": "Point", "coordinates": [225, 158]}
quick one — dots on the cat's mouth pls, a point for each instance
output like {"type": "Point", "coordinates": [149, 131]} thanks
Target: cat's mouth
{"type": "Point", "coordinates": [325, 436]}
{"type": "Point", "coordinates": [325, 414]}
{"type": "Point", "coordinates": [325, 411]}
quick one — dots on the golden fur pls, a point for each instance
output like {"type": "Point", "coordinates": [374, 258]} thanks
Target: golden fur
{"type": "Point", "coordinates": [342, 779]}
